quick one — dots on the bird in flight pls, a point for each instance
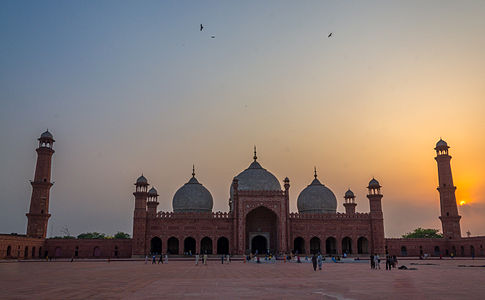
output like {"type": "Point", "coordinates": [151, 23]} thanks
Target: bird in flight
{"type": "Point", "coordinates": [213, 37]}
{"type": "Point", "coordinates": [328, 35]}
{"type": "Point", "coordinates": [201, 27]}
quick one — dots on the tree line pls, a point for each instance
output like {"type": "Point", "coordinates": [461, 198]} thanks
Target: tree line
{"type": "Point", "coordinates": [95, 235]}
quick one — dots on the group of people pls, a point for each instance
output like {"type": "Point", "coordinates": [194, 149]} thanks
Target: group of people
{"type": "Point", "coordinates": [375, 260]}
{"type": "Point", "coordinates": [161, 259]}
{"type": "Point", "coordinates": [317, 260]}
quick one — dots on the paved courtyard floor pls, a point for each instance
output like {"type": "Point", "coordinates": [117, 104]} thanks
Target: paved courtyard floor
{"type": "Point", "coordinates": [443, 279]}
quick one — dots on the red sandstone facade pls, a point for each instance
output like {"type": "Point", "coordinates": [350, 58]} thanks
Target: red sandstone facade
{"type": "Point", "coordinates": [257, 221]}
{"type": "Point", "coordinates": [255, 214]}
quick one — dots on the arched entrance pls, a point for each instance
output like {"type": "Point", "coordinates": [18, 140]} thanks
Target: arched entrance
{"type": "Point", "coordinates": [362, 245]}
{"type": "Point", "coordinates": [9, 251]}
{"type": "Point", "coordinates": [437, 251]}
{"type": "Point", "coordinates": [404, 251]}
{"type": "Point", "coordinates": [315, 245]}
{"type": "Point", "coordinates": [57, 252]}
{"type": "Point", "coordinates": [259, 244]}
{"type": "Point", "coordinates": [299, 245]}
{"type": "Point", "coordinates": [173, 245]}
{"type": "Point", "coordinates": [96, 252]}
{"type": "Point", "coordinates": [262, 221]}
{"type": "Point", "coordinates": [331, 245]}
{"type": "Point", "coordinates": [189, 245]}
{"type": "Point", "coordinates": [222, 245]}
{"type": "Point", "coordinates": [206, 245]}
{"type": "Point", "coordinates": [347, 245]}
{"type": "Point", "coordinates": [156, 245]}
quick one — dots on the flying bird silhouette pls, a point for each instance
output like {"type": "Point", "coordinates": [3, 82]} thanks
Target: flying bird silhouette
{"type": "Point", "coordinates": [201, 27]}
{"type": "Point", "coordinates": [213, 37]}
{"type": "Point", "coordinates": [330, 34]}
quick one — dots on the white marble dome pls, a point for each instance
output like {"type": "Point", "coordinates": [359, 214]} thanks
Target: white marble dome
{"type": "Point", "coordinates": [256, 178]}
{"type": "Point", "coordinates": [192, 197]}
{"type": "Point", "coordinates": [317, 198]}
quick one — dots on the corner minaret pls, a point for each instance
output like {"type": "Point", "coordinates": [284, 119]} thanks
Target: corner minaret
{"type": "Point", "coordinates": [376, 217]}
{"type": "Point", "coordinates": [140, 216]}
{"type": "Point", "coordinates": [38, 215]}
{"type": "Point", "coordinates": [450, 219]}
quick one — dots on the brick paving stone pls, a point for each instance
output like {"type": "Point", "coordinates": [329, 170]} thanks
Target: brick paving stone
{"type": "Point", "coordinates": [184, 280]}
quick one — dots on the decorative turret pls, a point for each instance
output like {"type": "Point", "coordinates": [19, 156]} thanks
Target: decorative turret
{"type": "Point", "coordinates": [450, 219]}
{"type": "Point", "coordinates": [152, 202]}
{"type": "Point", "coordinates": [349, 203]}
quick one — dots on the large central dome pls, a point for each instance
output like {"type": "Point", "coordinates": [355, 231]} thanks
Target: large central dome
{"type": "Point", "coordinates": [256, 178]}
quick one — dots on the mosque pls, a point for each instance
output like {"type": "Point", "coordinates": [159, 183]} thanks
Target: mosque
{"type": "Point", "coordinates": [258, 221]}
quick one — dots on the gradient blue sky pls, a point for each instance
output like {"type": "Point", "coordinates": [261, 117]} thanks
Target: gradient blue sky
{"type": "Point", "coordinates": [129, 87]}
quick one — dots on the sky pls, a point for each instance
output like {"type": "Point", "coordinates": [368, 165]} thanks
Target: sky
{"type": "Point", "coordinates": [131, 87]}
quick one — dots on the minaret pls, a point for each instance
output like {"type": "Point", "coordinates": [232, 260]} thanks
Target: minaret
{"type": "Point", "coordinates": [140, 216]}
{"type": "Point", "coordinates": [38, 215]}
{"type": "Point", "coordinates": [376, 217]}
{"type": "Point", "coordinates": [450, 219]}
{"type": "Point", "coordinates": [349, 203]}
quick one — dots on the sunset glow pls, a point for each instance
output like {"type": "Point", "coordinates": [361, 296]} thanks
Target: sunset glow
{"type": "Point", "coordinates": [128, 89]}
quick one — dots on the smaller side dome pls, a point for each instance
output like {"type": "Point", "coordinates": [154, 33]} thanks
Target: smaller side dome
{"type": "Point", "coordinates": [374, 184]}
{"type": "Point", "coordinates": [142, 180]}
{"type": "Point", "coordinates": [316, 198]}
{"type": "Point", "coordinates": [349, 194]}
{"type": "Point", "coordinates": [192, 197]}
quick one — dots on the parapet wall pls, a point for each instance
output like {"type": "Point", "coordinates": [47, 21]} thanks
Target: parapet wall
{"type": "Point", "coordinates": [88, 248]}
{"type": "Point", "coordinates": [20, 247]}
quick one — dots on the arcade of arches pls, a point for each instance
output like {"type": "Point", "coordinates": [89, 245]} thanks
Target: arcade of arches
{"type": "Point", "coordinates": [331, 246]}
{"type": "Point", "coordinates": [190, 246]}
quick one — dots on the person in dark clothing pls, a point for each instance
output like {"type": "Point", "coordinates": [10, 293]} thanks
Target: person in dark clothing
{"type": "Point", "coordinates": [372, 264]}
{"type": "Point", "coordinates": [314, 261]}
{"type": "Point", "coordinates": [222, 259]}
{"type": "Point", "coordinates": [388, 262]}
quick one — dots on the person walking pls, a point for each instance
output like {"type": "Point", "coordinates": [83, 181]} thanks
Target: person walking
{"type": "Point", "coordinates": [314, 262]}
{"type": "Point", "coordinates": [372, 265]}
{"type": "Point", "coordinates": [160, 259]}
{"type": "Point", "coordinates": [146, 259]}
{"type": "Point", "coordinates": [197, 258]}
{"type": "Point", "coordinates": [388, 262]}
{"type": "Point", "coordinates": [154, 259]}
{"type": "Point", "coordinates": [222, 259]}
{"type": "Point", "coordinates": [166, 258]}
{"type": "Point", "coordinates": [319, 261]}
{"type": "Point", "coordinates": [377, 261]}
{"type": "Point", "coordinates": [205, 259]}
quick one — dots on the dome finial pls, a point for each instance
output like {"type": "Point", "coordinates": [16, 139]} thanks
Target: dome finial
{"type": "Point", "coordinates": [255, 157]}
{"type": "Point", "coordinates": [193, 171]}
{"type": "Point", "coordinates": [315, 170]}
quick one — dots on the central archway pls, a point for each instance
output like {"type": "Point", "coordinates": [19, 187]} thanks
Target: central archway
{"type": "Point", "coordinates": [262, 221]}
{"type": "Point", "coordinates": [259, 244]}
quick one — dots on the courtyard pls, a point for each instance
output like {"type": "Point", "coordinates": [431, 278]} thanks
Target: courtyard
{"type": "Point", "coordinates": [432, 279]}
